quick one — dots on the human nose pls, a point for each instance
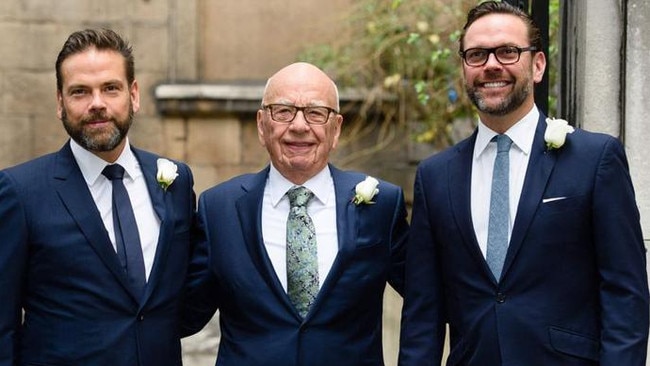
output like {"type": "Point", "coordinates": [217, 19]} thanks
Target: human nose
{"type": "Point", "coordinates": [492, 60]}
{"type": "Point", "coordinates": [97, 101]}
{"type": "Point", "coordinates": [299, 122]}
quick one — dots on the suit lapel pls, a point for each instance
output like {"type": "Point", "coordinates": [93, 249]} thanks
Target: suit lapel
{"type": "Point", "coordinates": [249, 212]}
{"type": "Point", "coordinates": [460, 178]}
{"type": "Point", "coordinates": [73, 191]}
{"type": "Point", "coordinates": [539, 170]}
{"type": "Point", "coordinates": [346, 227]}
{"type": "Point", "coordinates": [161, 205]}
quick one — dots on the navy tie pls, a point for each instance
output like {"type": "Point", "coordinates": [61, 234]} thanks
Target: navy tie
{"type": "Point", "coordinates": [127, 238]}
{"type": "Point", "coordinates": [499, 221]}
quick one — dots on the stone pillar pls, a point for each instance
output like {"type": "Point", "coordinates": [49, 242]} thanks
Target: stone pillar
{"type": "Point", "coordinates": [609, 45]}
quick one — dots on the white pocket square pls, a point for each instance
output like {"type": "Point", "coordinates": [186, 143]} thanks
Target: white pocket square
{"type": "Point", "coordinates": [547, 200]}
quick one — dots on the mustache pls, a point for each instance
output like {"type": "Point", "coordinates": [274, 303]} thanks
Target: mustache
{"type": "Point", "coordinates": [96, 116]}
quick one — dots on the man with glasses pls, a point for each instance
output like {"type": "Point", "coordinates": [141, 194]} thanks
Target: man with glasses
{"type": "Point", "coordinates": [525, 237]}
{"type": "Point", "coordinates": [296, 257]}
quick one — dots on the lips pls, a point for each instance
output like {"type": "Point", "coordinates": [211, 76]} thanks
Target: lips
{"type": "Point", "coordinates": [299, 146]}
{"type": "Point", "coordinates": [96, 119]}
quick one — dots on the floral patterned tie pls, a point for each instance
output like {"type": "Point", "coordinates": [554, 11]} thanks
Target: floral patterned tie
{"type": "Point", "coordinates": [302, 260]}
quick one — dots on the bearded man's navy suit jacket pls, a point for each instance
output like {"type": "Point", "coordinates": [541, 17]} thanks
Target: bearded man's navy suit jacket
{"type": "Point", "coordinates": [259, 325]}
{"type": "Point", "coordinates": [58, 264]}
{"type": "Point", "coordinates": [574, 288]}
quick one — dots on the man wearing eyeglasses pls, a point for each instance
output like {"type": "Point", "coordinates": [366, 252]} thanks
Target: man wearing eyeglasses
{"type": "Point", "coordinates": [296, 257]}
{"type": "Point", "coordinates": [525, 241]}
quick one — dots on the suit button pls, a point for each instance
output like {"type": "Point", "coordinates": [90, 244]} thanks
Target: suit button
{"type": "Point", "coordinates": [140, 317]}
{"type": "Point", "coordinates": [501, 297]}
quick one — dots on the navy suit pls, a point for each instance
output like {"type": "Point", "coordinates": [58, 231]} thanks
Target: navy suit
{"type": "Point", "coordinates": [58, 264]}
{"type": "Point", "coordinates": [574, 289]}
{"type": "Point", "coordinates": [259, 325]}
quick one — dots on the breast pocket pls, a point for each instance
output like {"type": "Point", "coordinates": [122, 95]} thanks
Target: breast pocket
{"type": "Point", "coordinates": [563, 205]}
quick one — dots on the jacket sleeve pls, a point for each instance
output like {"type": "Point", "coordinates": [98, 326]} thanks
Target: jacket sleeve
{"type": "Point", "coordinates": [201, 289]}
{"type": "Point", "coordinates": [423, 323]}
{"type": "Point", "coordinates": [13, 259]}
{"type": "Point", "coordinates": [621, 263]}
{"type": "Point", "coordinates": [398, 242]}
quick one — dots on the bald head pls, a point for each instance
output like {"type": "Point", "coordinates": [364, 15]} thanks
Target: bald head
{"type": "Point", "coordinates": [297, 77]}
{"type": "Point", "coordinates": [299, 149]}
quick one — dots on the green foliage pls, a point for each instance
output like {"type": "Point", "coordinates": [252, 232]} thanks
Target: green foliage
{"type": "Point", "coordinates": [408, 49]}
{"type": "Point", "coordinates": [405, 48]}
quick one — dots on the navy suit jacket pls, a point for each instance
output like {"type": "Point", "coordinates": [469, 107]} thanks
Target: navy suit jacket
{"type": "Point", "coordinates": [259, 325]}
{"type": "Point", "coordinates": [573, 290]}
{"type": "Point", "coordinates": [58, 264]}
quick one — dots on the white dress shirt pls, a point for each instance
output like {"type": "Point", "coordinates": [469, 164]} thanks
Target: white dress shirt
{"type": "Point", "coordinates": [485, 150]}
{"type": "Point", "coordinates": [321, 208]}
{"type": "Point", "coordinates": [102, 191]}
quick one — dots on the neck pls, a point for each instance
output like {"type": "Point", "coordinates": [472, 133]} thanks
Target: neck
{"type": "Point", "coordinates": [502, 123]}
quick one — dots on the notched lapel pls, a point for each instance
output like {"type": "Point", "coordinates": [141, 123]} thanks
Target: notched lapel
{"type": "Point", "coordinates": [249, 213]}
{"type": "Point", "coordinates": [73, 191]}
{"type": "Point", "coordinates": [460, 177]}
{"type": "Point", "coordinates": [347, 222]}
{"type": "Point", "coordinates": [163, 206]}
{"type": "Point", "coordinates": [539, 170]}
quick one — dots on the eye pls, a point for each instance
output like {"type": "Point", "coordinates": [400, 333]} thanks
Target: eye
{"type": "Point", "coordinates": [77, 92]}
{"type": "Point", "coordinates": [475, 54]}
{"type": "Point", "coordinates": [283, 111]}
{"type": "Point", "coordinates": [507, 51]}
{"type": "Point", "coordinates": [318, 113]}
{"type": "Point", "coordinates": [112, 88]}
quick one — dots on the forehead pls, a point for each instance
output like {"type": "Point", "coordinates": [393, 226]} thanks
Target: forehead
{"type": "Point", "coordinates": [93, 65]}
{"type": "Point", "coordinates": [301, 89]}
{"type": "Point", "coordinates": [496, 30]}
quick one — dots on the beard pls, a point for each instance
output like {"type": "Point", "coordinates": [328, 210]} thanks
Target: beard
{"type": "Point", "coordinates": [98, 141]}
{"type": "Point", "coordinates": [507, 105]}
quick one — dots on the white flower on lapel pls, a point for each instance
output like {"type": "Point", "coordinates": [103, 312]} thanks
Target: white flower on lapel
{"type": "Point", "coordinates": [167, 172]}
{"type": "Point", "coordinates": [556, 131]}
{"type": "Point", "coordinates": [365, 191]}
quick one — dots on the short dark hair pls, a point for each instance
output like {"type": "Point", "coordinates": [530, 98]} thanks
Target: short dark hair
{"type": "Point", "coordinates": [102, 39]}
{"type": "Point", "coordinates": [500, 7]}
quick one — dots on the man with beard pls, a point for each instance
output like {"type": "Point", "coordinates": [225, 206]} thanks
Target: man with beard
{"type": "Point", "coordinates": [525, 237]}
{"type": "Point", "coordinates": [95, 237]}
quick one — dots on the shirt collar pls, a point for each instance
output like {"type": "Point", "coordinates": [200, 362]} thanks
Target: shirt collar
{"type": "Point", "coordinates": [521, 133]}
{"type": "Point", "coordinates": [320, 185]}
{"type": "Point", "coordinates": [91, 165]}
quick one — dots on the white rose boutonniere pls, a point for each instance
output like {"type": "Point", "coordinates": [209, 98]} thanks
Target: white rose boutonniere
{"type": "Point", "coordinates": [556, 131]}
{"type": "Point", "coordinates": [167, 172]}
{"type": "Point", "coordinates": [365, 191]}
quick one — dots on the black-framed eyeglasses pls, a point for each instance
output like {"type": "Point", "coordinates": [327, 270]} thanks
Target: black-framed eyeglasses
{"type": "Point", "coordinates": [506, 55]}
{"type": "Point", "coordinates": [315, 115]}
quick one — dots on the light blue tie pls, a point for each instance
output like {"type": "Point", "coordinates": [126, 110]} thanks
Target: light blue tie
{"type": "Point", "coordinates": [499, 221]}
{"type": "Point", "coordinates": [302, 259]}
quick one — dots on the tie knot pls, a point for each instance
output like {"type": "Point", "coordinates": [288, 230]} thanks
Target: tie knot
{"type": "Point", "coordinates": [503, 143]}
{"type": "Point", "coordinates": [115, 171]}
{"type": "Point", "coordinates": [299, 196]}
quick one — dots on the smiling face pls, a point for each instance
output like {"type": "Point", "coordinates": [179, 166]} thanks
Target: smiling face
{"type": "Point", "coordinates": [96, 104]}
{"type": "Point", "coordinates": [503, 94]}
{"type": "Point", "coordinates": [299, 150]}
